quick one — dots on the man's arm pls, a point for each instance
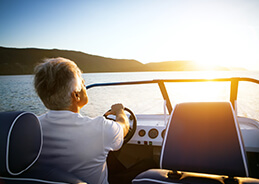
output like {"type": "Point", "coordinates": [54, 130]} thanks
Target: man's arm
{"type": "Point", "coordinates": [121, 118]}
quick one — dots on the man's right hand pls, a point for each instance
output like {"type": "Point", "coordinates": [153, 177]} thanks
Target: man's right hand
{"type": "Point", "coordinates": [121, 118]}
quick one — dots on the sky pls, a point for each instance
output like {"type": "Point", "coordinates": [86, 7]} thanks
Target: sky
{"type": "Point", "coordinates": [210, 32]}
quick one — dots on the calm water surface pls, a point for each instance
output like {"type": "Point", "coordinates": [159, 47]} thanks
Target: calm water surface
{"type": "Point", "coordinates": [17, 92]}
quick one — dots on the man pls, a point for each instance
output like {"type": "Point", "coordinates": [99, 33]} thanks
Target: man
{"type": "Point", "coordinates": [73, 142]}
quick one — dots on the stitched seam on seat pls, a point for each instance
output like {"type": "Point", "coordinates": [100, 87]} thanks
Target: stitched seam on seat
{"type": "Point", "coordinates": [8, 142]}
{"type": "Point", "coordinates": [152, 180]}
{"type": "Point", "coordinates": [240, 140]}
{"type": "Point", "coordinates": [165, 138]}
{"type": "Point", "coordinates": [30, 179]}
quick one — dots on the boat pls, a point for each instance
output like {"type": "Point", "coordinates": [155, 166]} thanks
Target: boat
{"type": "Point", "coordinates": [144, 157]}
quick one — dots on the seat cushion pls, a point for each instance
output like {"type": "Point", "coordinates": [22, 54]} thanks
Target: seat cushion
{"type": "Point", "coordinates": [160, 176]}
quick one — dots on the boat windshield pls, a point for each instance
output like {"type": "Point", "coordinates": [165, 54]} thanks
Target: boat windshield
{"type": "Point", "coordinates": [150, 97]}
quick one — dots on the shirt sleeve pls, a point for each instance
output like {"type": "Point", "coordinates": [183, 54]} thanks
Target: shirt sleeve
{"type": "Point", "coordinates": [113, 135]}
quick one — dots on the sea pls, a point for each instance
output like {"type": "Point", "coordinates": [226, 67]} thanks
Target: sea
{"type": "Point", "coordinates": [17, 92]}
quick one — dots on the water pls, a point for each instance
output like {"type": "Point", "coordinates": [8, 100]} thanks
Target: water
{"type": "Point", "coordinates": [17, 92]}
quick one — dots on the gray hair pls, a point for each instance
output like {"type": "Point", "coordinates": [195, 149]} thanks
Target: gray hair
{"type": "Point", "coordinates": [55, 79]}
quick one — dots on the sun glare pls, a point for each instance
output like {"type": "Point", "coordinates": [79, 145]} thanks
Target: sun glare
{"type": "Point", "coordinates": [208, 38]}
{"type": "Point", "coordinates": [207, 45]}
{"type": "Point", "coordinates": [198, 92]}
{"type": "Point", "coordinates": [229, 47]}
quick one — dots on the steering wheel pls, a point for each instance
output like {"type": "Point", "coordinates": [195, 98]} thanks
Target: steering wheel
{"type": "Point", "coordinates": [132, 121]}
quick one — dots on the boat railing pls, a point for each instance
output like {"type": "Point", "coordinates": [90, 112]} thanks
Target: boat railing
{"type": "Point", "coordinates": [234, 84]}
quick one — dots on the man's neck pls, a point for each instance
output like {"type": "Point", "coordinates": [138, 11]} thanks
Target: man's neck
{"type": "Point", "coordinates": [74, 108]}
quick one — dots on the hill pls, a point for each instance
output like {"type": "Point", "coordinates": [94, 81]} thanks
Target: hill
{"type": "Point", "coordinates": [180, 66]}
{"type": "Point", "coordinates": [23, 61]}
{"type": "Point", "coordinates": [15, 61]}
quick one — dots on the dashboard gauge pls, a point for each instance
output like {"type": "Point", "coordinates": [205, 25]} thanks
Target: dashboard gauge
{"type": "Point", "coordinates": [163, 134]}
{"type": "Point", "coordinates": [153, 133]}
{"type": "Point", "coordinates": [142, 133]}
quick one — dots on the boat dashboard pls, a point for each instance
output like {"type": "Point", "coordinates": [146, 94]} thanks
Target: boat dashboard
{"type": "Point", "coordinates": [150, 130]}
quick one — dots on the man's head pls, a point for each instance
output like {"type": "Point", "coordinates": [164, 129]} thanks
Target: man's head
{"type": "Point", "coordinates": [57, 81]}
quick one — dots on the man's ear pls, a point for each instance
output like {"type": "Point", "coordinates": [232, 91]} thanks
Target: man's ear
{"type": "Point", "coordinates": [76, 96]}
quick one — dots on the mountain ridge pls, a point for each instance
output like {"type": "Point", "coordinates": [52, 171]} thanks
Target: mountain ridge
{"type": "Point", "coordinates": [16, 61]}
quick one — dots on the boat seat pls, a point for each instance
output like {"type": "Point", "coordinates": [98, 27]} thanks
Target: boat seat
{"type": "Point", "coordinates": [203, 144]}
{"type": "Point", "coordinates": [20, 147]}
